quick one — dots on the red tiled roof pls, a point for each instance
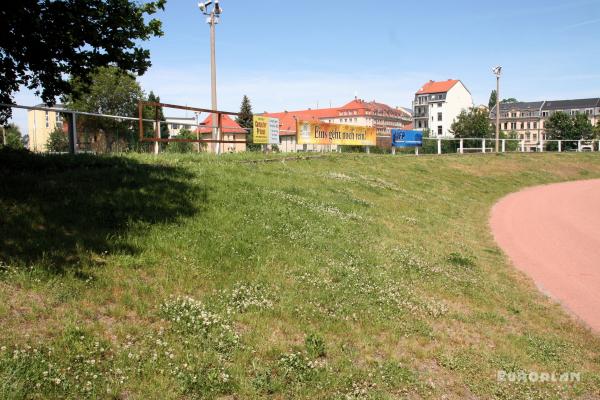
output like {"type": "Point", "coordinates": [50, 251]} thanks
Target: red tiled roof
{"type": "Point", "coordinates": [362, 106]}
{"type": "Point", "coordinates": [287, 119]}
{"type": "Point", "coordinates": [438, 87]}
{"type": "Point", "coordinates": [228, 125]}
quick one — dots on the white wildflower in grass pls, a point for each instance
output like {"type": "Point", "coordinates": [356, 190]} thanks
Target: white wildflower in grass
{"type": "Point", "coordinates": [316, 207]}
{"type": "Point", "coordinates": [244, 297]}
{"type": "Point", "coordinates": [191, 317]}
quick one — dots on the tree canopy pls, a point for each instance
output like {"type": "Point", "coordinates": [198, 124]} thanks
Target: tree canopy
{"type": "Point", "coordinates": [43, 42]}
{"type": "Point", "coordinates": [562, 126]}
{"type": "Point", "coordinates": [493, 99]}
{"type": "Point", "coordinates": [11, 137]}
{"type": "Point", "coordinates": [472, 124]}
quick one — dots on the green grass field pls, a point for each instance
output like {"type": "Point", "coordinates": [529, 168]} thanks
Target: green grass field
{"type": "Point", "coordinates": [343, 277]}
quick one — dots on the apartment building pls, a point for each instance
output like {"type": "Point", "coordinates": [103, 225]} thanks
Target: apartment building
{"type": "Point", "coordinates": [527, 119]}
{"type": "Point", "coordinates": [437, 104]}
{"type": "Point", "coordinates": [40, 124]}
{"type": "Point", "coordinates": [357, 112]}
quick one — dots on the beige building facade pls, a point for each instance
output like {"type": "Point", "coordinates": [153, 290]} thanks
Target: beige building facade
{"type": "Point", "coordinates": [39, 126]}
{"type": "Point", "coordinates": [527, 120]}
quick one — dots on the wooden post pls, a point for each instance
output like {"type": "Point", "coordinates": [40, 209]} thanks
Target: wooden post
{"type": "Point", "coordinates": [416, 151]}
{"type": "Point", "coordinates": [367, 149]}
{"type": "Point", "coordinates": [462, 146]}
{"type": "Point", "coordinates": [393, 151]}
{"type": "Point", "coordinates": [483, 145]}
{"type": "Point", "coordinates": [504, 145]}
{"type": "Point", "coordinates": [560, 146]}
{"type": "Point", "coordinates": [439, 146]}
{"type": "Point", "coordinates": [579, 146]}
{"type": "Point", "coordinates": [522, 145]}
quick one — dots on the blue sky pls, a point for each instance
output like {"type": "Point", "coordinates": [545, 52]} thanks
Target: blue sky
{"type": "Point", "coordinates": [289, 55]}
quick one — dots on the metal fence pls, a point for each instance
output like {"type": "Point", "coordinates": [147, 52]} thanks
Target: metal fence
{"type": "Point", "coordinates": [102, 133]}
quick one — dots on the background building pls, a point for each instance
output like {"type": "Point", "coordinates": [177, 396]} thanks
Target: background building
{"type": "Point", "coordinates": [437, 104]}
{"type": "Point", "coordinates": [176, 124]}
{"type": "Point", "coordinates": [230, 130]}
{"type": "Point", "coordinates": [527, 119]}
{"type": "Point", "coordinates": [357, 112]}
{"type": "Point", "coordinates": [40, 124]}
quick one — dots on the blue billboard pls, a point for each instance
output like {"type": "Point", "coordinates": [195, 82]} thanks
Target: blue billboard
{"type": "Point", "coordinates": [403, 138]}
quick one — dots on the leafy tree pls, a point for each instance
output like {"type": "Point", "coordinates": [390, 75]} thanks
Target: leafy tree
{"type": "Point", "coordinates": [472, 124]}
{"type": "Point", "coordinates": [11, 137]}
{"type": "Point", "coordinates": [113, 92]}
{"type": "Point", "coordinates": [562, 126]}
{"type": "Point", "coordinates": [493, 99]}
{"type": "Point", "coordinates": [182, 147]}
{"type": "Point", "coordinates": [57, 141]}
{"type": "Point", "coordinates": [510, 100]}
{"type": "Point", "coordinates": [43, 42]}
{"type": "Point", "coordinates": [582, 127]}
{"type": "Point", "coordinates": [597, 131]}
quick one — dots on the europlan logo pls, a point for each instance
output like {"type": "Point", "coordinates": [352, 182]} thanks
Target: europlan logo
{"type": "Point", "coordinates": [538, 377]}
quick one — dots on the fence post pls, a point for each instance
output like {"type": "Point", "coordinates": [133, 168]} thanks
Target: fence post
{"type": "Point", "coordinates": [560, 146]}
{"type": "Point", "coordinates": [541, 144]}
{"type": "Point", "coordinates": [72, 124]}
{"type": "Point", "coordinates": [416, 151]}
{"type": "Point", "coordinates": [393, 151]}
{"type": "Point", "coordinates": [579, 145]}
{"type": "Point", "coordinates": [504, 145]}
{"type": "Point", "coordinates": [368, 149]}
{"type": "Point", "coordinates": [483, 145]}
{"type": "Point", "coordinates": [439, 143]}
{"type": "Point", "coordinates": [522, 145]}
{"type": "Point", "coordinates": [157, 133]}
{"type": "Point", "coordinates": [462, 147]}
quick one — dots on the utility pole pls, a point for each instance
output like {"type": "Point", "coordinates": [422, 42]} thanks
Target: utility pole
{"type": "Point", "coordinates": [212, 20]}
{"type": "Point", "coordinates": [497, 71]}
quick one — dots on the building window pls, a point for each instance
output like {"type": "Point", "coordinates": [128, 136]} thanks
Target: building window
{"type": "Point", "coordinates": [439, 104]}
{"type": "Point", "coordinates": [439, 116]}
{"type": "Point", "coordinates": [535, 125]}
{"type": "Point", "coordinates": [174, 126]}
{"type": "Point", "coordinates": [513, 126]}
{"type": "Point", "coordinates": [528, 125]}
{"type": "Point", "coordinates": [544, 113]}
{"type": "Point", "coordinates": [47, 119]}
{"type": "Point", "coordinates": [514, 115]}
{"type": "Point", "coordinates": [439, 130]}
{"type": "Point", "coordinates": [522, 125]}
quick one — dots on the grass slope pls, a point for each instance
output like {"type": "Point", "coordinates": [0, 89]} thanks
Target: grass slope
{"type": "Point", "coordinates": [342, 277]}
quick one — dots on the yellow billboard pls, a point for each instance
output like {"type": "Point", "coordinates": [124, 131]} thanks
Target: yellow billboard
{"type": "Point", "coordinates": [316, 132]}
{"type": "Point", "coordinates": [266, 130]}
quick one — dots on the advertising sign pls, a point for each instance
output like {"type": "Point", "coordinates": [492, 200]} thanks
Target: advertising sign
{"type": "Point", "coordinates": [402, 138]}
{"type": "Point", "coordinates": [266, 130]}
{"type": "Point", "coordinates": [316, 132]}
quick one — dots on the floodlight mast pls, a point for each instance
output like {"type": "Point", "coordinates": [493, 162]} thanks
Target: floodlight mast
{"type": "Point", "coordinates": [497, 71]}
{"type": "Point", "coordinates": [213, 19]}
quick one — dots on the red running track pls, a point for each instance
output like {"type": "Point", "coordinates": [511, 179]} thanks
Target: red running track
{"type": "Point", "coordinates": [552, 233]}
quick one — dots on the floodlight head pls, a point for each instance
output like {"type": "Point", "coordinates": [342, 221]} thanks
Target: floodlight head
{"type": "Point", "coordinates": [218, 9]}
{"type": "Point", "coordinates": [203, 6]}
{"type": "Point", "coordinates": [497, 70]}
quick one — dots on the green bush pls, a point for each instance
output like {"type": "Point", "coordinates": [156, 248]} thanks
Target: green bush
{"type": "Point", "coordinates": [58, 141]}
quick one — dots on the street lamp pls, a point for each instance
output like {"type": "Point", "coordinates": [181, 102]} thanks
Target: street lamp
{"type": "Point", "coordinates": [497, 71]}
{"type": "Point", "coordinates": [213, 16]}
